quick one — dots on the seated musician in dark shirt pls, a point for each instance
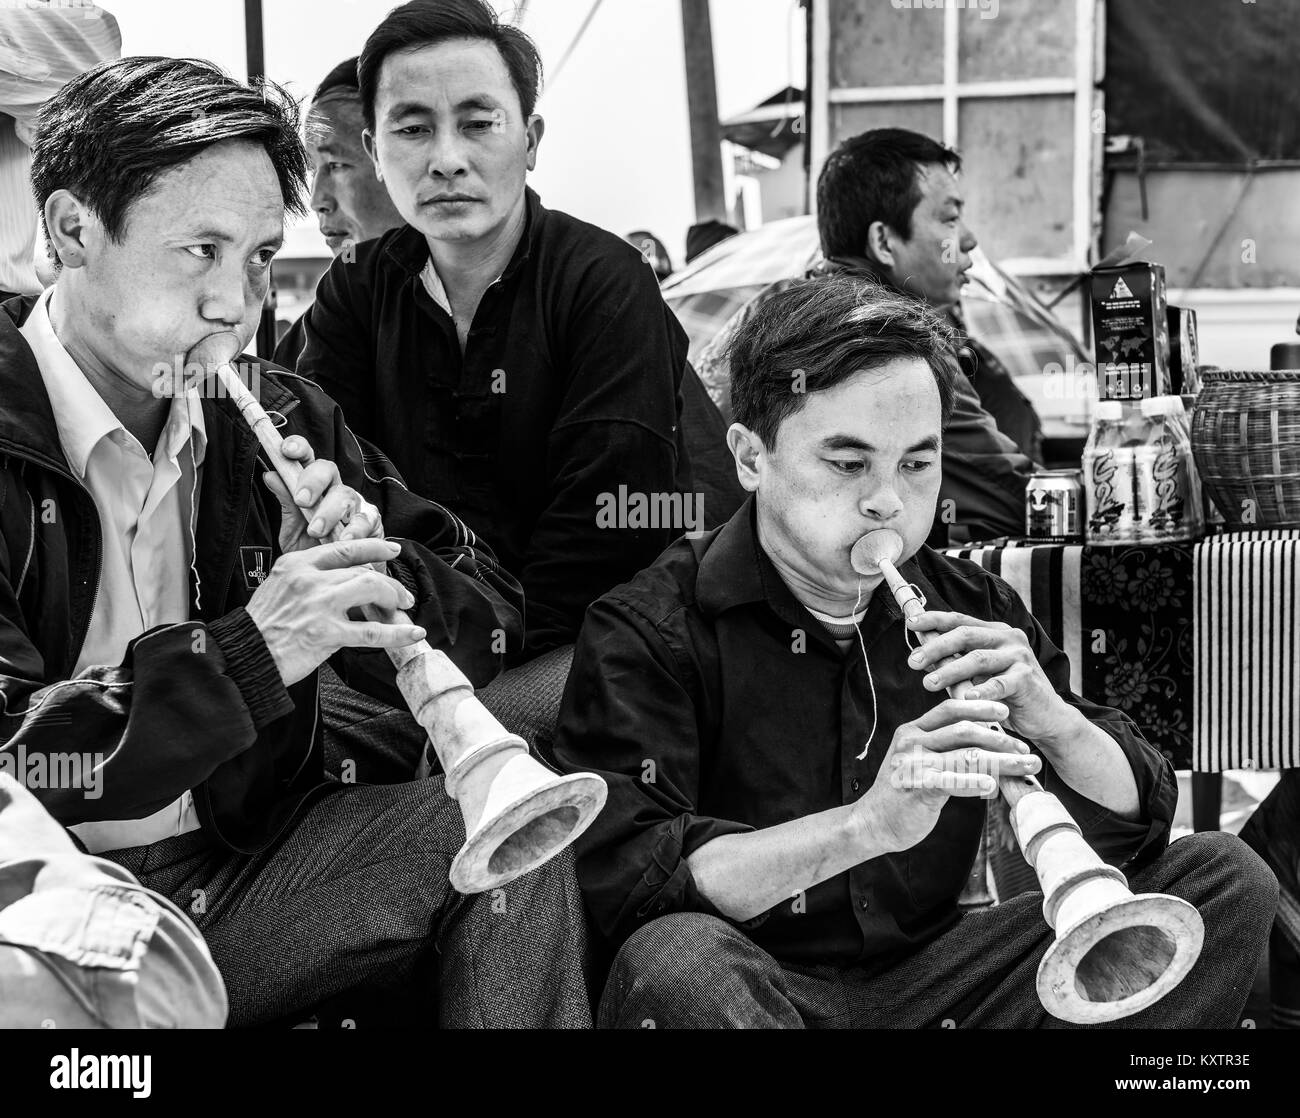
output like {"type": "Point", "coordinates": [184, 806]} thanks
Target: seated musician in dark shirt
{"type": "Point", "coordinates": [764, 858]}
{"type": "Point", "coordinates": [514, 363]}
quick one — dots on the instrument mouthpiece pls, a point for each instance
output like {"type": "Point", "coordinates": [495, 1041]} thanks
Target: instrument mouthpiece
{"type": "Point", "coordinates": [881, 543]}
{"type": "Point", "coordinates": [216, 350]}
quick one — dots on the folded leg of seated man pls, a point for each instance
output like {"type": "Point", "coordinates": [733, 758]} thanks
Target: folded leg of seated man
{"type": "Point", "coordinates": [355, 895]}
{"type": "Point", "coordinates": [689, 970]}
{"type": "Point", "coordinates": [83, 945]}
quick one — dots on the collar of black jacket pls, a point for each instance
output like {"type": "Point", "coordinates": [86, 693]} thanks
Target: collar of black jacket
{"type": "Point", "coordinates": [737, 571]}
{"type": "Point", "coordinates": [409, 249]}
{"type": "Point", "coordinates": [27, 422]}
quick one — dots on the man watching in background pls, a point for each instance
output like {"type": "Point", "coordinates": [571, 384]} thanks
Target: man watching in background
{"type": "Point", "coordinates": [349, 201]}
{"type": "Point", "coordinates": [513, 362]}
{"type": "Point", "coordinates": [889, 209]}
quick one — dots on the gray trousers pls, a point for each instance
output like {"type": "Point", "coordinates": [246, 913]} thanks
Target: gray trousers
{"type": "Point", "coordinates": [355, 896]}
{"type": "Point", "coordinates": [688, 970]}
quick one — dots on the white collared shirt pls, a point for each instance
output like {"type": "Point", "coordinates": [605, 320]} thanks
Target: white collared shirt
{"type": "Point", "coordinates": [146, 506]}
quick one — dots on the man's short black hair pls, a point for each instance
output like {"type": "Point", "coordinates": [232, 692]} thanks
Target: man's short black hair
{"type": "Point", "coordinates": [819, 333]}
{"type": "Point", "coordinates": [423, 23]}
{"type": "Point", "coordinates": [874, 177]}
{"type": "Point", "coordinates": [342, 79]}
{"type": "Point", "coordinates": [109, 133]}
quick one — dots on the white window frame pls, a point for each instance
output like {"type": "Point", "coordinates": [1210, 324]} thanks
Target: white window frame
{"type": "Point", "coordinates": [1084, 86]}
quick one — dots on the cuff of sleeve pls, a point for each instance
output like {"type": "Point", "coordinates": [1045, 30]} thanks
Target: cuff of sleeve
{"type": "Point", "coordinates": [252, 668]}
{"type": "Point", "coordinates": [669, 881]}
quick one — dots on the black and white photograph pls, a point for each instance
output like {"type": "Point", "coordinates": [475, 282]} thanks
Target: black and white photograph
{"type": "Point", "coordinates": [671, 516]}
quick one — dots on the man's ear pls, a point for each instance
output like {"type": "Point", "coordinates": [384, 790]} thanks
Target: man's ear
{"type": "Point", "coordinates": [880, 242]}
{"type": "Point", "coordinates": [748, 450]}
{"type": "Point", "coordinates": [69, 222]}
{"type": "Point", "coordinates": [535, 130]}
{"type": "Point", "coordinates": [368, 142]}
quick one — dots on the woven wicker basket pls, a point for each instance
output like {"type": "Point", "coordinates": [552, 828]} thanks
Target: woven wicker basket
{"type": "Point", "coordinates": [1246, 440]}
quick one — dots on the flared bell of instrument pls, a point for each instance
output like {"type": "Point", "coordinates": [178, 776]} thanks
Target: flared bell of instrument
{"type": "Point", "coordinates": [1115, 953]}
{"type": "Point", "coordinates": [1121, 958]}
{"type": "Point", "coordinates": [519, 817]}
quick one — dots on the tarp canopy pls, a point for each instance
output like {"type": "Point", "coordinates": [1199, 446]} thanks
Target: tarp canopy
{"type": "Point", "coordinates": [1205, 81]}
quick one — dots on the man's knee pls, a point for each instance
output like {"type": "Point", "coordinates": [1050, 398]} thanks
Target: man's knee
{"type": "Point", "coordinates": [694, 970]}
{"type": "Point", "coordinates": [1215, 866]}
{"type": "Point", "coordinates": [678, 940]}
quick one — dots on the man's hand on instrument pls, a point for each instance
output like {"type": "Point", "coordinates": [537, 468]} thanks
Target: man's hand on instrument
{"type": "Point", "coordinates": [946, 752]}
{"type": "Point", "coordinates": [320, 488]}
{"type": "Point", "coordinates": [997, 660]}
{"type": "Point", "coordinates": [302, 607]}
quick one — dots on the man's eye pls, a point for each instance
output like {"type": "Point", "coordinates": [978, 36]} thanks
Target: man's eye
{"type": "Point", "coordinates": [411, 130]}
{"type": "Point", "coordinates": [480, 125]}
{"type": "Point", "coordinates": [917, 466]}
{"type": "Point", "coordinates": [846, 465]}
{"type": "Point", "coordinates": [263, 257]}
{"type": "Point", "coordinates": [203, 252]}
{"type": "Point", "coordinates": [337, 166]}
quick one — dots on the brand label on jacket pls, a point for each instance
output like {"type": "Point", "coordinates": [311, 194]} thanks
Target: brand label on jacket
{"type": "Point", "coordinates": [256, 565]}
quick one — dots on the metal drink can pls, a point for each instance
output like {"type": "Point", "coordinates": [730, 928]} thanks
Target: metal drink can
{"type": "Point", "coordinates": [1112, 511]}
{"type": "Point", "coordinates": [1054, 506]}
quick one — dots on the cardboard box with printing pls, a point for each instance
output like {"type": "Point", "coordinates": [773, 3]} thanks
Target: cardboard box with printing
{"type": "Point", "coordinates": [1131, 331]}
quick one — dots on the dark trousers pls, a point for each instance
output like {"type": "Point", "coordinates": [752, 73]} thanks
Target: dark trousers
{"type": "Point", "coordinates": [355, 896]}
{"type": "Point", "coordinates": [688, 970]}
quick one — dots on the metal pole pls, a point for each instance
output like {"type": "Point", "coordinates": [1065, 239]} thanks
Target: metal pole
{"type": "Point", "coordinates": [702, 101]}
{"type": "Point", "coordinates": [254, 53]}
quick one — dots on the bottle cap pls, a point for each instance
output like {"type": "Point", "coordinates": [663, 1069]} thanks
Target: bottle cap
{"type": "Point", "coordinates": [1110, 410]}
{"type": "Point", "coordinates": [1161, 405]}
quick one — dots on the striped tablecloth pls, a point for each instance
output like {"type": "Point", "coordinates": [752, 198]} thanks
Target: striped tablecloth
{"type": "Point", "coordinates": [1247, 699]}
{"type": "Point", "coordinates": [1198, 643]}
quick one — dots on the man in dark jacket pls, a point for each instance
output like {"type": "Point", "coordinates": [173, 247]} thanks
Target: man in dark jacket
{"type": "Point", "coordinates": [515, 363]}
{"type": "Point", "coordinates": [163, 612]}
{"type": "Point", "coordinates": [889, 209]}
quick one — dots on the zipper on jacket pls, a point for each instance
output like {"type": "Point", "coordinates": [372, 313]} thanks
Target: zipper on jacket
{"type": "Point", "coordinates": [96, 533]}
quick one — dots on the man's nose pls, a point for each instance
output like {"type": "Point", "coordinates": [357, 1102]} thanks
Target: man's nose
{"type": "Point", "coordinates": [227, 294]}
{"type": "Point", "coordinates": [968, 240]}
{"type": "Point", "coordinates": [447, 156]}
{"type": "Point", "coordinates": [322, 198]}
{"type": "Point", "coordinates": [882, 503]}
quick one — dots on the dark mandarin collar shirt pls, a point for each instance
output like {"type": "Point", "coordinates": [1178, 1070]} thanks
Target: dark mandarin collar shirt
{"type": "Point", "coordinates": [713, 702]}
{"type": "Point", "coordinates": [567, 390]}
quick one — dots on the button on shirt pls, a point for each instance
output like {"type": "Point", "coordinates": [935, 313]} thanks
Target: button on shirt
{"type": "Point", "coordinates": [145, 505]}
{"type": "Point", "coordinates": [713, 703]}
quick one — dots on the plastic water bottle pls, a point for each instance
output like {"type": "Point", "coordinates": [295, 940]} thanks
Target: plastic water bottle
{"type": "Point", "coordinates": [1108, 461]}
{"type": "Point", "coordinates": [1167, 488]}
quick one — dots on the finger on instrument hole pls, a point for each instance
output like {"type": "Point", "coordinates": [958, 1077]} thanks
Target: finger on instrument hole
{"type": "Point", "coordinates": [338, 554]}
{"type": "Point", "coordinates": [376, 634]}
{"type": "Point", "coordinates": [953, 642]}
{"type": "Point", "coordinates": [958, 710]}
{"type": "Point", "coordinates": [365, 521]}
{"type": "Point", "coordinates": [983, 663]}
{"type": "Point", "coordinates": [957, 784]}
{"type": "Point", "coordinates": [943, 621]}
{"type": "Point", "coordinates": [370, 588]}
{"type": "Point", "coordinates": [314, 482]}
{"type": "Point", "coordinates": [1005, 683]}
{"type": "Point", "coordinates": [964, 734]}
{"type": "Point", "coordinates": [297, 448]}
{"type": "Point", "coordinates": [336, 508]}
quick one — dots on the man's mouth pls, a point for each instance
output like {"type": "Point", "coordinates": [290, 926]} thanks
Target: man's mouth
{"type": "Point", "coordinates": [448, 200]}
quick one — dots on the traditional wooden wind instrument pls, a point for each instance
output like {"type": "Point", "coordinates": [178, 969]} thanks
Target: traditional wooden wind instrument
{"type": "Point", "coordinates": [518, 814]}
{"type": "Point", "coordinates": [1115, 953]}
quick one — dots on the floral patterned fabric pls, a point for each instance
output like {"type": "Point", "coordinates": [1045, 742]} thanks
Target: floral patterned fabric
{"type": "Point", "coordinates": [1123, 614]}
